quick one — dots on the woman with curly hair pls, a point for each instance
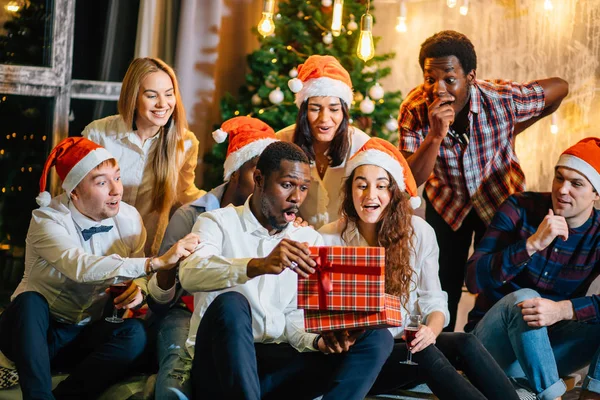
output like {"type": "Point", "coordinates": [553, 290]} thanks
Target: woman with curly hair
{"type": "Point", "coordinates": [151, 141]}
{"type": "Point", "coordinates": [377, 201]}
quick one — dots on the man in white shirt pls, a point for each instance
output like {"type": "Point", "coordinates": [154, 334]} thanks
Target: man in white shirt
{"type": "Point", "coordinates": [249, 342]}
{"type": "Point", "coordinates": [78, 244]}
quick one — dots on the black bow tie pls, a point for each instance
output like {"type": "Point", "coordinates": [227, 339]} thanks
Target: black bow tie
{"type": "Point", "coordinates": [88, 233]}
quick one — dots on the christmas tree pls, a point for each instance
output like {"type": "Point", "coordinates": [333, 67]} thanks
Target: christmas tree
{"type": "Point", "coordinates": [303, 28]}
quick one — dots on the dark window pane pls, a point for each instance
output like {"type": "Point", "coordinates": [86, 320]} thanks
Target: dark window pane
{"type": "Point", "coordinates": [25, 141]}
{"type": "Point", "coordinates": [26, 33]}
{"type": "Point", "coordinates": [105, 34]}
{"type": "Point", "coordinates": [85, 111]}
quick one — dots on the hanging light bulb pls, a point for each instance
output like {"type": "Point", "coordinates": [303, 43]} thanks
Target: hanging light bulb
{"type": "Point", "coordinates": [366, 47]}
{"type": "Point", "coordinates": [548, 6]}
{"type": "Point", "coordinates": [464, 9]}
{"type": "Point", "coordinates": [336, 19]}
{"type": "Point", "coordinates": [554, 124]}
{"type": "Point", "coordinates": [266, 26]}
{"type": "Point", "coordinates": [451, 3]}
{"type": "Point", "coordinates": [401, 26]}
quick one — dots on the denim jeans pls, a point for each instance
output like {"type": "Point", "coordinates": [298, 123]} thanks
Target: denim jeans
{"type": "Point", "coordinates": [175, 364]}
{"type": "Point", "coordinates": [540, 355]}
{"type": "Point", "coordinates": [229, 365]}
{"type": "Point", "coordinates": [96, 355]}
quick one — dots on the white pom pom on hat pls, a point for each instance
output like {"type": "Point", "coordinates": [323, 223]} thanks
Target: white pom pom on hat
{"type": "Point", "coordinates": [219, 135]}
{"type": "Point", "coordinates": [295, 85]}
{"type": "Point", "coordinates": [43, 199]}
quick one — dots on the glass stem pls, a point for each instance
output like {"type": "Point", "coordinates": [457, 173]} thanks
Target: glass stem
{"type": "Point", "coordinates": [409, 356]}
{"type": "Point", "coordinates": [115, 313]}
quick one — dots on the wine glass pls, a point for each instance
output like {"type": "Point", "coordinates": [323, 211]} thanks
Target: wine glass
{"type": "Point", "coordinates": [412, 323]}
{"type": "Point", "coordinates": [115, 291]}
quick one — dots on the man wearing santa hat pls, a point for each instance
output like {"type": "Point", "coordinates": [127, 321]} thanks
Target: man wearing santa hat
{"type": "Point", "coordinates": [531, 271]}
{"type": "Point", "coordinates": [248, 137]}
{"type": "Point", "coordinates": [246, 336]}
{"type": "Point", "coordinates": [78, 244]}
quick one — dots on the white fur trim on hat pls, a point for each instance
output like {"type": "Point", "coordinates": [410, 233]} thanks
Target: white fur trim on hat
{"type": "Point", "coordinates": [236, 159]}
{"type": "Point", "coordinates": [84, 166]}
{"type": "Point", "coordinates": [324, 87]}
{"type": "Point", "coordinates": [43, 199]}
{"type": "Point", "coordinates": [219, 135]}
{"type": "Point", "coordinates": [578, 164]}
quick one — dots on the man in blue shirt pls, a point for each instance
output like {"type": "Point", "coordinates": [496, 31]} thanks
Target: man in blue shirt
{"type": "Point", "coordinates": [531, 271]}
{"type": "Point", "coordinates": [248, 137]}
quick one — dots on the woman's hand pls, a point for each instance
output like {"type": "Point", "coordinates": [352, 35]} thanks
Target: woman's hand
{"type": "Point", "coordinates": [131, 298]}
{"type": "Point", "coordinates": [425, 336]}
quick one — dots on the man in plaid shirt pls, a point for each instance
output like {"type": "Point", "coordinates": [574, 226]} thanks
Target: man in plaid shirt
{"type": "Point", "coordinates": [531, 271]}
{"type": "Point", "coordinates": [458, 135]}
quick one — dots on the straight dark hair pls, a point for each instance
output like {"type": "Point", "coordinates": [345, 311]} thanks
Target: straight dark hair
{"type": "Point", "coordinates": [340, 145]}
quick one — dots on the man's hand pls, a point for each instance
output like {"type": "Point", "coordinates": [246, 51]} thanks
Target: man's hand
{"type": "Point", "coordinates": [131, 298]}
{"type": "Point", "coordinates": [551, 227]}
{"type": "Point", "coordinates": [338, 341]}
{"type": "Point", "coordinates": [441, 115]}
{"type": "Point", "coordinates": [287, 254]}
{"type": "Point", "coordinates": [424, 337]}
{"type": "Point", "coordinates": [180, 250]}
{"type": "Point", "coordinates": [538, 312]}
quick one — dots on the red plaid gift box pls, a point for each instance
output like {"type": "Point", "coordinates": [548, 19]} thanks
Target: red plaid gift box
{"type": "Point", "coordinates": [316, 321]}
{"type": "Point", "coordinates": [347, 279]}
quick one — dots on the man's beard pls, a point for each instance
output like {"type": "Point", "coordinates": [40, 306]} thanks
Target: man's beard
{"type": "Point", "coordinates": [271, 219]}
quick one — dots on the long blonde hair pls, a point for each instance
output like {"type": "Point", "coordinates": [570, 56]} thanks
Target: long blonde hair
{"type": "Point", "coordinates": [168, 154]}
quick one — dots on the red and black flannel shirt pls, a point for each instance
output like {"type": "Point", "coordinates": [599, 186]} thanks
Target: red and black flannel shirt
{"type": "Point", "coordinates": [486, 171]}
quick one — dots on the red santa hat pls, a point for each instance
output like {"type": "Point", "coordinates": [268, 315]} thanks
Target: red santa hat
{"type": "Point", "coordinates": [248, 137]}
{"type": "Point", "coordinates": [584, 157]}
{"type": "Point", "coordinates": [321, 76]}
{"type": "Point", "coordinates": [383, 154]}
{"type": "Point", "coordinates": [73, 159]}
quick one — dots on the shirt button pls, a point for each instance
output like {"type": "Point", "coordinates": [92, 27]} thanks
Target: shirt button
{"type": "Point", "coordinates": [555, 250]}
{"type": "Point", "coordinates": [546, 273]}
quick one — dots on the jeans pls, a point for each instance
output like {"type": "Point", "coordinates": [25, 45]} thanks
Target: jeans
{"type": "Point", "coordinates": [454, 251]}
{"type": "Point", "coordinates": [96, 355]}
{"type": "Point", "coordinates": [438, 366]}
{"type": "Point", "coordinates": [539, 355]}
{"type": "Point", "coordinates": [229, 365]}
{"type": "Point", "coordinates": [175, 364]}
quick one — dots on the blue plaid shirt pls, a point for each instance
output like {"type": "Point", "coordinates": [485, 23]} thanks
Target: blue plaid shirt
{"type": "Point", "coordinates": [562, 271]}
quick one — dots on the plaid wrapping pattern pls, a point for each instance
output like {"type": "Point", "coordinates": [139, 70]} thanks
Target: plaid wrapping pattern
{"type": "Point", "coordinates": [347, 279]}
{"type": "Point", "coordinates": [484, 173]}
{"type": "Point", "coordinates": [316, 321]}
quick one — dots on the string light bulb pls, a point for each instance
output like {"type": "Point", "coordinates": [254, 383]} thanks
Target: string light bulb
{"type": "Point", "coordinates": [548, 6]}
{"type": "Point", "coordinates": [401, 26]}
{"type": "Point", "coordinates": [366, 47]}
{"type": "Point", "coordinates": [464, 9]}
{"type": "Point", "coordinates": [554, 124]}
{"type": "Point", "coordinates": [336, 19]}
{"type": "Point", "coordinates": [451, 3]}
{"type": "Point", "coordinates": [266, 25]}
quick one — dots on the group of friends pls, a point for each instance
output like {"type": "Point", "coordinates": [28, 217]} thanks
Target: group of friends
{"type": "Point", "coordinates": [220, 275]}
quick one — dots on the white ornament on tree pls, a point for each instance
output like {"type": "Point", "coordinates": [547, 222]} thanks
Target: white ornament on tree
{"type": "Point", "coordinates": [328, 38]}
{"type": "Point", "coordinates": [391, 125]}
{"type": "Point", "coordinates": [376, 92]}
{"type": "Point", "coordinates": [326, 3]}
{"type": "Point", "coordinates": [367, 106]}
{"type": "Point", "coordinates": [256, 100]}
{"type": "Point", "coordinates": [293, 73]}
{"type": "Point", "coordinates": [352, 25]}
{"type": "Point", "coordinates": [276, 96]}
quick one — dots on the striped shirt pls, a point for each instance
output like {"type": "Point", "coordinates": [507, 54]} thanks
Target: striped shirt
{"type": "Point", "coordinates": [484, 173]}
{"type": "Point", "coordinates": [564, 270]}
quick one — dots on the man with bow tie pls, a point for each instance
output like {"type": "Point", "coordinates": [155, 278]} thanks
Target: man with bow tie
{"type": "Point", "coordinates": [78, 244]}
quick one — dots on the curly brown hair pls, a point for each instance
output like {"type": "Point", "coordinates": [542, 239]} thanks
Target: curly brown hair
{"type": "Point", "coordinates": [394, 233]}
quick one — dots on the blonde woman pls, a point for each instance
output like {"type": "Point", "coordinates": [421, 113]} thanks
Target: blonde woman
{"type": "Point", "coordinates": [150, 140]}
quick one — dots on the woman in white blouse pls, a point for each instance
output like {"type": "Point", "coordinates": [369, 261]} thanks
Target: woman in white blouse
{"type": "Point", "coordinates": [376, 207]}
{"type": "Point", "coordinates": [323, 94]}
{"type": "Point", "coordinates": [150, 140]}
